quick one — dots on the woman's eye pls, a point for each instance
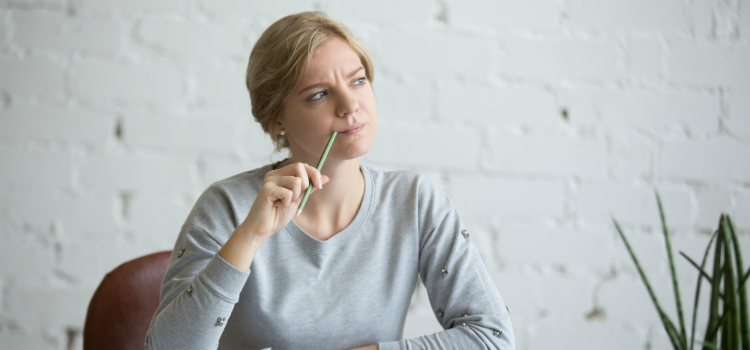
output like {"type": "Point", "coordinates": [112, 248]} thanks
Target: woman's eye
{"type": "Point", "coordinates": [317, 96]}
{"type": "Point", "coordinates": [360, 81]}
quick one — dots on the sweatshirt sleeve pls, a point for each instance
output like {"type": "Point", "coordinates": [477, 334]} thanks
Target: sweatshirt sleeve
{"type": "Point", "coordinates": [462, 294]}
{"type": "Point", "coordinates": [199, 289]}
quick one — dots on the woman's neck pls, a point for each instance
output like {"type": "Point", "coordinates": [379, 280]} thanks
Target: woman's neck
{"type": "Point", "coordinates": [335, 206]}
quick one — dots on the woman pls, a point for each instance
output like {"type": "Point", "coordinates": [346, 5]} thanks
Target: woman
{"type": "Point", "coordinates": [245, 275]}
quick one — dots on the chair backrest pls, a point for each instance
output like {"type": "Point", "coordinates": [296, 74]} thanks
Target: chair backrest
{"type": "Point", "coordinates": [121, 309]}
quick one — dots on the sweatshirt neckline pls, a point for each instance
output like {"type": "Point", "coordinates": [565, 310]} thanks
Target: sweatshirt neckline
{"type": "Point", "coordinates": [342, 236]}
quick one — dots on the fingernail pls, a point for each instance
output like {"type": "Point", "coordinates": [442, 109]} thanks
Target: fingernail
{"type": "Point", "coordinates": [320, 184]}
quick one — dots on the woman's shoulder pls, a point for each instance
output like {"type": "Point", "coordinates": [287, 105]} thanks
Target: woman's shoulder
{"type": "Point", "coordinates": [401, 182]}
{"type": "Point", "coordinates": [222, 198]}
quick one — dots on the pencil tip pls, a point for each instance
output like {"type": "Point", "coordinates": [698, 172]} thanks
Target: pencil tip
{"type": "Point", "coordinates": [299, 211]}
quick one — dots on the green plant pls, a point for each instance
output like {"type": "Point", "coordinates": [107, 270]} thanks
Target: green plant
{"type": "Point", "coordinates": [728, 309]}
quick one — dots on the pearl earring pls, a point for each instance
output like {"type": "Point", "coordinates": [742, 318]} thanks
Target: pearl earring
{"type": "Point", "coordinates": [282, 132]}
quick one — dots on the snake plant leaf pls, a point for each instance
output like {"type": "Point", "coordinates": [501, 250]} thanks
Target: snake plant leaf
{"type": "Point", "coordinates": [744, 322]}
{"type": "Point", "coordinates": [744, 279]}
{"type": "Point", "coordinates": [675, 284]}
{"type": "Point", "coordinates": [698, 287]}
{"type": "Point", "coordinates": [700, 269]}
{"type": "Point", "coordinates": [664, 318]}
{"type": "Point", "coordinates": [731, 302]}
{"type": "Point", "coordinates": [709, 345]}
{"type": "Point", "coordinates": [713, 317]}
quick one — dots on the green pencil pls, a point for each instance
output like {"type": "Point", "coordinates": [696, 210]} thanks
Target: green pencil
{"type": "Point", "coordinates": [320, 166]}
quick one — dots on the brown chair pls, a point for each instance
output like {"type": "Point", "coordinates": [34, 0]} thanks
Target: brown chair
{"type": "Point", "coordinates": [121, 309]}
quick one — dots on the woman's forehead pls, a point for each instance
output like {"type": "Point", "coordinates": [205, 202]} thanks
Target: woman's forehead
{"type": "Point", "coordinates": [332, 58]}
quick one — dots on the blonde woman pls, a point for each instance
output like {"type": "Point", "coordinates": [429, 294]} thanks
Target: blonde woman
{"type": "Point", "coordinates": [245, 274]}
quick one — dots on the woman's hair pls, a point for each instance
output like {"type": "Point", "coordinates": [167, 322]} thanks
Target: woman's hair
{"type": "Point", "coordinates": [280, 58]}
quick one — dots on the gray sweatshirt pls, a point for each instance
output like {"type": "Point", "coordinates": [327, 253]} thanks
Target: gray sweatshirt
{"type": "Point", "coordinates": [349, 291]}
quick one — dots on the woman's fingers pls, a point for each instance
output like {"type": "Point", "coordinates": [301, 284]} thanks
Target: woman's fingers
{"type": "Point", "coordinates": [286, 188]}
{"type": "Point", "coordinates": [306, 172]}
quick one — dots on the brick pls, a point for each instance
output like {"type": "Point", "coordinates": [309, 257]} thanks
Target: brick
{"type": "Point", "coordinates": [562, 247]}
{"type": "Point", "coordinates": [195, 40]}
{"type": "Point", "coordinates": [521, 292]}
{"type": "Point", "coordinates": [584, 336]}
{"type": "Point", "coordinates": [498, 106]}
{"type": "Point", "coordinates": [254, 141]}
{"type": "Point", "coordinates": [397, 102]}
{"type": "Point", "coordinates": [714, 160]}
{"type": "Point", "coordinates": [644, 57]}
{"type": "Point", "coordinates": [567, 298]}
{"type": "Point", "coordinates": [546, 155]}
{"type": "Point", "coordinates": [76, 257]}
{"type": "Point", "coordinates": [431, 146]}
{"type": "Point", "coordinates": [625, 298]}
{"type": "Point", "coordinates": [51, 170]}
{"type": "Point", "coordinates": [499, 198]}
{"type": "Point", "coordinates": [202, 133]}
{"type": "Point", "coordinates": [414, 53]}
{"type": "Point", "coordinates": [256, 9]}
{"type": "Point", "coordinates": [744, 21]}
{"type": "Point", "coordinates": [27, 4]}
{"type": "Point", "coordinates": [157, 84]}
{"type": "Point", "coordinates": [634, 15]}
{"type": "Point", "coordinates": [711, 203]}
{"type": "Point", "coordinates": [410, 13]}
{"type": "Point", "coordinates": [64, 34]}
{"type": "Point", "coordinates": [702, 16]}
{"type": "Point", "coordinates": [631, 204]}
{"type": "Point", "coordinates": [739, 115]}
{"type": "Point", "coordinates": [26, 341]}
{"type": "Point", "coordinates": [739, 212]}
{"type": "Point", "coordinates": [582, 106]}
{"type": "Point", "coordinates": [223, 90]}
{"type": "Point", "coordinates": [709, 64]}
{"type": "Point", "coordinates": [655, 112]}
{"type": "Point", "coordinates": [24, 250]}
{"type": "Point", "coordinates": [21, 122]}
{"type": "Point", "coordinates": [33, 76]}
{"type": "Point", "coordinates": [49, 306]}
{"type": "Point", "coordinates": [421, 319]}
{"type": "Point", "coordinates": [215, 168]}
{"type": "Point", "coordinates": [132, 6]}
{"type": "Point", "coordinates": [505, 14]}
{"type": "Point", "coordinates": [650, 250]}
{"type": "Point", "coordinates": [632, 156]}
{"type": "Point", "coordinates": [419, 323]}
{"type": "Point", "coordinates": [559, 61]}
{"type": "Point", "coordinates": [157, 219]}
{"type": "Point", "coordinates": [84, 216]}
{"type": "Point", "coordinates": [136, 174]}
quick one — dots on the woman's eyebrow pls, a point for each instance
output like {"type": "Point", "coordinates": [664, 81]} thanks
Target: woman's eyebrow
{"type": "Point", "coordinates": [321, 84]}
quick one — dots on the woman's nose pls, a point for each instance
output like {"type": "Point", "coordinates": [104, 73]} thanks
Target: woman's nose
{"type": "Point", "coordinates": [347, 104]}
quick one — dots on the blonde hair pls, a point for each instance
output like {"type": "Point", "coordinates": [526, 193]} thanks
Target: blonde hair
{"type": "Point", "coordinates": [280, 58]}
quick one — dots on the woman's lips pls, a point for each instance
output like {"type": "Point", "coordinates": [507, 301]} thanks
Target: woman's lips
{"type": "Point", "coordinates": [354, 131]}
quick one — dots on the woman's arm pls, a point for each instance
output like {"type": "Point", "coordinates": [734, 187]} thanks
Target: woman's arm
{"type": "Point", "coordinates": [209, 267]}
{"type": "Point", "coordinates": [463, 296]}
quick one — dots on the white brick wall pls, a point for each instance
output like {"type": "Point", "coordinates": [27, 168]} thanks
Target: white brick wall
{"type": "Point", "coordinates": [541, 120]}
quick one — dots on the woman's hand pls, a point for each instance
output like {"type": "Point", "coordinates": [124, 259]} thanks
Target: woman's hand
{"type": "Point", "coordinates": [371, 347]}
{"type": "Point", "coordinates": [279, 198]}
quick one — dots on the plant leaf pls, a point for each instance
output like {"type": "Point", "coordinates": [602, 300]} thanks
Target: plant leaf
{"type": "Point", "coordinates": [664, 318]}
{"type": "Point", "coordinates": [698, 287]}
{"type": "Point", "coordinates": [675, 284]}
{"type": "Point", "coordinates": [713, 317]}
{"type": "Point", "coordinates": [742, 312]}
{"type": "Point", "coordinates": [700, 269]}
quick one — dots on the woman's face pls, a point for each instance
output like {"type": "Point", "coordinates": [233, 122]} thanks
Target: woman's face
{"type": "Point", "coordinates": [333, 95]}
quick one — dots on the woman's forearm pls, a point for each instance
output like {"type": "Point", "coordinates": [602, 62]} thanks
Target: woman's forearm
{"type": "Point", "coordinates": [240, 248]}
